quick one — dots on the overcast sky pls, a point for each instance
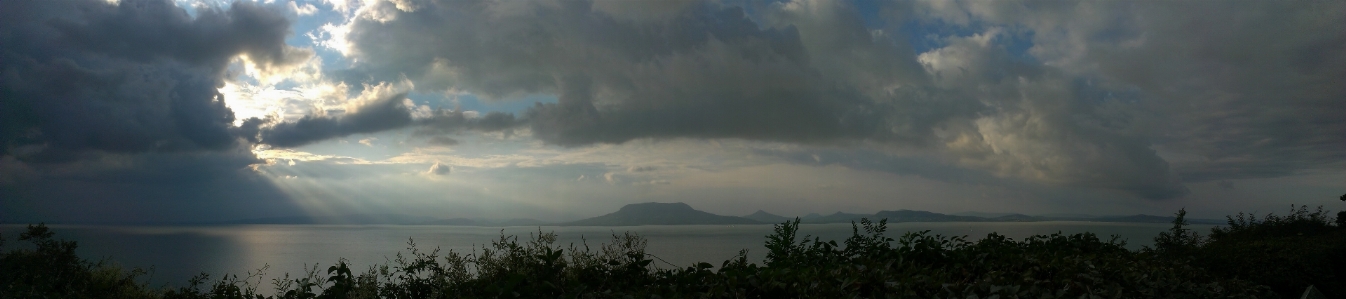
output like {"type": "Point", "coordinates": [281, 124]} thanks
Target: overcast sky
{"type": "Point", "coordinates": [208, 110]}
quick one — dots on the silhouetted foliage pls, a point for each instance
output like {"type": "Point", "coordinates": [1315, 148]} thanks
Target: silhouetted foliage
{"type": "Point", "coordinates": [1270, 257]}
{"type": "Point", "coordinates": [51, 269]}
{"type": "Point", "coordinates": [1178, 241]}
{"type": "Point", "coordinates": [1287, 253]}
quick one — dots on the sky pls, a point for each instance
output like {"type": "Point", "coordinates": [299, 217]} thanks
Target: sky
{"type": "Point", "coordinates": [143, 111]}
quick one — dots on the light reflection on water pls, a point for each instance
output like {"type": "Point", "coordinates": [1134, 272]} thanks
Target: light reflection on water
{"type": "Point", "coordinates": [178, 252]}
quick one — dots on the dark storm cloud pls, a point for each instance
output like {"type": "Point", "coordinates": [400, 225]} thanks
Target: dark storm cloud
{"type": "Point", "coordinates": [110, 112]}
{"type": "Point", "coordinates": [386, 113]}
{"type": "Point", "coordinates": [381, 114]}
{"type": "Point", "coordinates": [453, 121]}
{"type": "Point", "coordinates": [183, 187]}
{"type": "Point", "coordinates": [138, 76]}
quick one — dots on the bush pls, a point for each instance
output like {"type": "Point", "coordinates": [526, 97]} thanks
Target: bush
{"type": "Point", "coordinates": [51, 269]}
{"type": "Point", "coordinates": [1287, 253]}
{"type": "Point", "coordinates": [1250, 258]}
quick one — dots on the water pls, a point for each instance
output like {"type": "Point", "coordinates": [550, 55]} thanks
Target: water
{"type": "Point", "coordinates": [177, 253]}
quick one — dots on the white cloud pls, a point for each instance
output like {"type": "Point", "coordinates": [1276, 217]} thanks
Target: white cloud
{"type": "Point", "coordinates": [304, 10]}
{"type": "Point", "coordinates": [439, 169]}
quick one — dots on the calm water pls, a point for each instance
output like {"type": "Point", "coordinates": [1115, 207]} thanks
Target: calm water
{"type": "Point", "coordinates": [177, 253]}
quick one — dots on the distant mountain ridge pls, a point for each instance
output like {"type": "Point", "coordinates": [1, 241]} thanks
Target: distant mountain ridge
{"type": "Point", "coordinates": [654, 213]}
{"type": "Point", "coordinates": [764, 217]}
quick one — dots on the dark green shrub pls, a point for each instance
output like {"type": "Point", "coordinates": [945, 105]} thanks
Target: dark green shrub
{"type": "Point", "coordinates": [1287, 253]}
{"type": "Point", "coordinates": [51, 269]}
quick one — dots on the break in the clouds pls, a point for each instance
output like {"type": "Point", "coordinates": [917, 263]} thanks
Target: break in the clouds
{"type": "Point", "coordinates": [1132, 100]}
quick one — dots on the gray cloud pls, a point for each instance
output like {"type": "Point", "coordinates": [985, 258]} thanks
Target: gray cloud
{"type": "Point", "coordinates": [454, 121]}
{"type": "Point", "coordinates": [138, 76]}
{"type": "Point", "coordinates": [700, 70]}
{"type": "Point", "coordinates": [442, 140]}
{"type": "Point", "coordinates": [110, 112]}
{"type": "Point", "coordinates": [380, 114]}
{"type": "Point", "coordinates": [1229, 90]}
{"type": "Point", "coordinates": [801, 71]}
{"type": "Point", "coordinates": [439, 169]}
{"type": "Point", "coordinates": [143, 188]}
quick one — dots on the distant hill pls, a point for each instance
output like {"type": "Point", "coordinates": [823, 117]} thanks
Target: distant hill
{"type": "Point", "coordinates": [1017, 218]}
{"type": "Point", "coordinates": [922, 216]}
{"type": "Point", "coordinates": [982, 214]}
{"type": "Point", "coordinates": [1068, 215]}
{"type": "Point", "coordinates": [764, 217]}
{"type": "Point", "coordinates": [659, 214]}
{"type": "Point", "coordinates": [453, 221]}
{"type": "Point", "coordinates": [837, 217]}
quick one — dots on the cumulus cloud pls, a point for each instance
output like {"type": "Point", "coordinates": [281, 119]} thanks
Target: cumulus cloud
{"type": "Point", "coordinates": [111, 111]}
{"type": "Point", "coordinates": [136, 76]}
{"type": "Point", "coordinates": [803, 71]}
{"type": "Point", "coordinates": [1225, 91]}
{"type": "Point", "coordinates": [698, 70]}
{"type": "Point", "coordinates": [384, 114]}
{"type": "Point", "coordinates": [380, 107]}
{"type": "Point", "coordinates": [439, 169]}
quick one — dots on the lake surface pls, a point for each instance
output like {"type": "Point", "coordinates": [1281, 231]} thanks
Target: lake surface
{"type": "Point", "coordinates": [176, 253]}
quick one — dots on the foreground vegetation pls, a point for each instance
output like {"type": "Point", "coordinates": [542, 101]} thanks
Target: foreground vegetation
{"type": "Point", "coordinates": [1270, 257]}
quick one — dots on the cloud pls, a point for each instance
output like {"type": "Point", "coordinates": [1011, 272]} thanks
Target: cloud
{"type": "Point", "coordinates": [303, 10]}
{"type": "Point", "coordinates": [699, 70]}
{"type": "Point", "coordinates": [138, 76]}
{"type": "Point", "coordinates": [442, 121]}
{"type": "Point", "coordinates": [801, 72]}
{"type": "Point", "coordinates": [380, 107]}
{"type": "Point", "coordinates": [641, 168]}
{"type": "Point", "coordinates": [1138, 99]}
{"type": "Point", "coordinates": [439, 169]}
{"type": "Point", "coordinates": [111, 111]}
{"type": "Point", "coordinates": [1246, 90]}
{"type": "Point", "coordinates": [442, 140]}
{"type": "Point", "coordinates": [144, 188]}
